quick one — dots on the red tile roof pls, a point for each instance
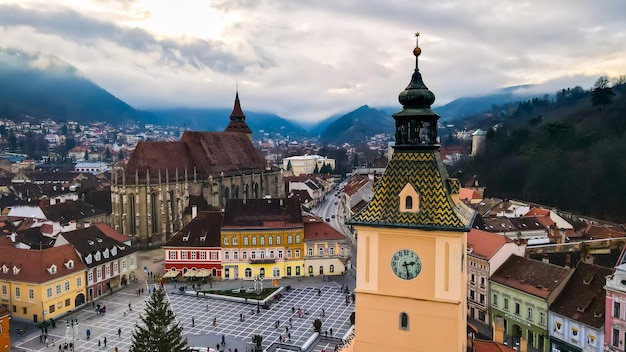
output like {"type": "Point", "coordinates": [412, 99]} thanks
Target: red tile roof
{"type": "Point", "coordinates": [315, 229]}
{"type": "Point", "coordinates": [537, 212]}
{"type": "Point", "coordinates": [34, 263]}
{"type": "Point", "coordinates": [491, 346]}
{"type": "Point", "coordinates": [111, 232]}
{"type": "Point", "coordinates": [531, 276]}
{"type": "Point", "coordinates": [262, 213]}
{"type": "Point", "coordinates": [583, 297]}
{"type": "Point", "coordinates": [485, 244]}
{"type": "Point", "coordinates": [209, 153]}
{"type": "Point", "coordinates": [468, 194]}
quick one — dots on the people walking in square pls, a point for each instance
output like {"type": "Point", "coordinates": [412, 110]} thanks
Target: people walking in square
{"type": "Point", "coordinates": [193, 322]}
{"type": "Point", "coordinates": [119, 332]}
{"type": "Point", "coordinates": [99, 344]}
{"type": "Point", "coordinates": [105, 341]}
{"type": "Point", "coordinates": [289, 336]}
{"type": "Point", "coordinates": [331, 332]}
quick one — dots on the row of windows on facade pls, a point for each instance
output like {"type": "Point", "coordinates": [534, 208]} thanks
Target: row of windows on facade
{"type": "Point", "coordinates": [276, 271]}
{"type": "Point", "coordinates": [517, 310]}
{"type": "Point", "coordinates": [253, 240]}
{"type": "Point", "coordinates": [49, 289]}
{"type": "Point", "coordinates": [213, 255]}
{"type": "Point", "coordinates": [574, 334]}
{"type": "Point", "coordinates": [473, 280]}
{"type": "Point", "coordinates": [51, 308]}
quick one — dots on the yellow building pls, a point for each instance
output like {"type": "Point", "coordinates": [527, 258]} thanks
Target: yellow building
{"type": "Point", "coordinates": [326, 250]}
{"type": "Point", "coordinates": [411, 280]}
{"type": "Point", "coordinates": [262, 238]}
{"type": "Point", "coordinates": [40, 284]}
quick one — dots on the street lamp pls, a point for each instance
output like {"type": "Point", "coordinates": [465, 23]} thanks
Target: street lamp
{"type": "Point", "coordinates": [73, 324]}
{"type": "Point", "coordinates": [258, 289]}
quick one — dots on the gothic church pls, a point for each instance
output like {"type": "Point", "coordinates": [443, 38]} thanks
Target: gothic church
{"type": "Point", "coordinates": [155, 194]}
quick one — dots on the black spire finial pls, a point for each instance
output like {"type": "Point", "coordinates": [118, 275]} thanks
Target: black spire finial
{"type": "Point", "coordinates": [416, 124]}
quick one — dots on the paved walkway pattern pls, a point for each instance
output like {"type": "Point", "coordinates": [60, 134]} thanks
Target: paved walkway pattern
{"type": "Point", "coordinates": [238, 334]}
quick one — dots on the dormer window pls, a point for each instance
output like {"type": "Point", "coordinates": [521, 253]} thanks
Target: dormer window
{"type": "Point", "coordinates": [5, 269]}
{"type": "Point", "coordinates": [88, 259]}
{"type": "Point", "coordinates": [69, 264]}
{"type": "Point", "coordinates": [16, 270]}
{"type": "Point", "coordinates": [114, 251]}
{"type": "Point", "coordinates": [409, 199]}
{"type": "Point", "coordinates": [105, 253]}
{"type": "Point", "coordinates": [52, 269]}
{"type": "Point", "coordinates": [97, 256]}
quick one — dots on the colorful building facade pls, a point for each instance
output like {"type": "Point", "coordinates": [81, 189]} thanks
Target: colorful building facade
{"type": "Point", "coordinates": [327, 251]}
{"type": "Point", "coordinates": [41, 284]}
{"type": "Point", "coordinates": [615, 310]}
{"type": "Point", "coordinates": [196, 247]}
{"type": "Point", "coordinates": [262, 238]}
{"type": "Point", "coordinates": [521, 291]}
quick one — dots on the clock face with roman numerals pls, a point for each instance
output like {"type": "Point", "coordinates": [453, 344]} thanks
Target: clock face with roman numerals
{"type": "Point", "coordinates": [406, 264]}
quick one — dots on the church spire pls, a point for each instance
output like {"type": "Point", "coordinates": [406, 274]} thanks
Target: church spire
{"type": "Point", "coordinates": [237, 114]}
{"type": "Point", "coordinates": [238, 118]}
{"type": "Point", "coordinates": [416, 124]}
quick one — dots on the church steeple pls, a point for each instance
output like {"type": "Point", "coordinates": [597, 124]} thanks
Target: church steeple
{"type": "Point", "coordinates": [238, 119]}
{"type": "Point", "coordinates": [237, 114]}
{"type": "Point", "coordinates": [416, 123]}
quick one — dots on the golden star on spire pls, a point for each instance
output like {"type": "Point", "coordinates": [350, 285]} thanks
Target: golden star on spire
{"type": "Point", "coordinates": [417, 34]}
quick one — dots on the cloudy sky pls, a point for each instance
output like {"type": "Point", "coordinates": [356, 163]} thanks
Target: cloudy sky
{"type": "Point", "coordinates": [309, 59]}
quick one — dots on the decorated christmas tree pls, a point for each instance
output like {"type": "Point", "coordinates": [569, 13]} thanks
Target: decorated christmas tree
{"type": "Point", "coordinates": [158, 330]}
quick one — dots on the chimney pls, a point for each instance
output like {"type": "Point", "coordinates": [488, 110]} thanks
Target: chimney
{"type": "Point", "coordinates": [194, 211]}
{"type": "Point", "coordinates": [498, 329]}
{"type": "Point", "coordinates": [523, 345]}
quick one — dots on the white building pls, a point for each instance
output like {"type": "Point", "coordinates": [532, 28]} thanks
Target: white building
{"type": "Point", "coordinates": [305, 164]}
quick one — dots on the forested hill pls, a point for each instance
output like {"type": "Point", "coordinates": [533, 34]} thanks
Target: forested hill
{"type": "Point", "coordinates": [568, 152]}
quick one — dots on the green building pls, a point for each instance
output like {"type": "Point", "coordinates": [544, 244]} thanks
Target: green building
{"type": "Point", "coordinates": [521, 291]}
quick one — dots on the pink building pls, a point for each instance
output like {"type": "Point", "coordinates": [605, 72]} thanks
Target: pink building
{"type": "Point", "coordinates": [615, 311]}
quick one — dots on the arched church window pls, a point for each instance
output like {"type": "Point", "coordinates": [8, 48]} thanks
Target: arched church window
{"type": "Point", "coordinates": [131, 218]}
{"type": "Point", "coordinates": [408, 202]}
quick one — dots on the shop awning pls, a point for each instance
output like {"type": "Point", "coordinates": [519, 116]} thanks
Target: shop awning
{"type": "Point", "coordinates": [203, 273]}
{"type": "Point", "coordinates": [171, 273]}
{"type": "Point", "coordinates": [190, 273]}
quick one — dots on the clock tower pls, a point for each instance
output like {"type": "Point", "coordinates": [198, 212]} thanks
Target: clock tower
{"type": "Point", "coordinates": [411, 279]}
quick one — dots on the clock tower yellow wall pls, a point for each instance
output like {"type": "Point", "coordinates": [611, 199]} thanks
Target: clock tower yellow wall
{"type": "Point", "coordinates": [434, 302]}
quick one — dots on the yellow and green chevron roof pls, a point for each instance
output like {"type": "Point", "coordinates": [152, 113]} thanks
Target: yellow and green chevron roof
{"type": "Point", "coordinates": [424, 170]}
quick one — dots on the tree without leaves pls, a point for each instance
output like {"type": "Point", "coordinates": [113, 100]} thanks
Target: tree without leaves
{"type": "Point", "coordinates": [602, 94]}
{"type": "Point", "coordinates": [158, 330]}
